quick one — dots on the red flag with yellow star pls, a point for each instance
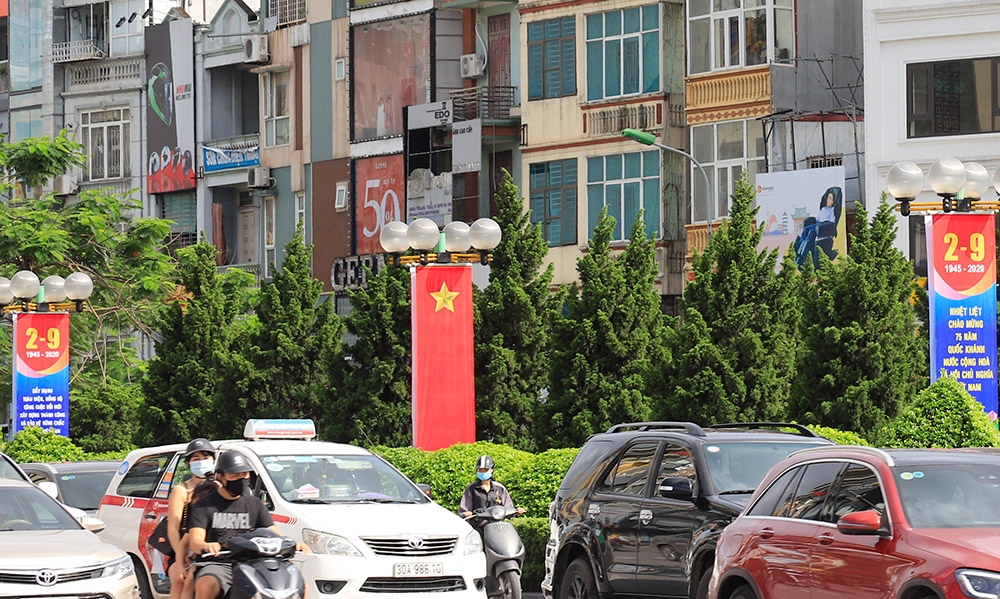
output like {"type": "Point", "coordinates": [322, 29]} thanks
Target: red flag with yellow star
{"type": "Point", "coordinates": [444, 386]}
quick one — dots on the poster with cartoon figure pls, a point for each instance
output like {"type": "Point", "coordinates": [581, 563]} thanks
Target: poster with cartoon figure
{"type": "Point", "coordinates": [803, 209]}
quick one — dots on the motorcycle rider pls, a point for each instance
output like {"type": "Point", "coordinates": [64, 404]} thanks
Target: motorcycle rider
{"type": "Point", "coordinates": [484, 491]}
{"type": "Point", "coordinates": [221, 515]}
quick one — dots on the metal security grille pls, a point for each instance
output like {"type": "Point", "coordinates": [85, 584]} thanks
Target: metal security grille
{"type": "Point", "coordinates": [28, 576]}
{"type": "Point", "coordinates": [404, 548]}
{"type": "Point", "coordinates": [287, 11]}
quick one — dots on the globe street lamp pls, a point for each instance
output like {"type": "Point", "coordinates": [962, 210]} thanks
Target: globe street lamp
{"type": "Point", "coordinates": [25, 293]}
{"type": "Point", "coordinates": [960, 185]}
{"type": "Point", "coordinates": [649, 139]}
{"type": "Point", "coordinates": [451, 245]}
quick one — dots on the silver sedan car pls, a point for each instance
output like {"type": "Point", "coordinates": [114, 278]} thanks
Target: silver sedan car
{"type": "Point", "coordinates": [46, 552]}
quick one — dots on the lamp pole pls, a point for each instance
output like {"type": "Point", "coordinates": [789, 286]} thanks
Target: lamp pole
{"type": "Point", "coordinates": [649, 139]}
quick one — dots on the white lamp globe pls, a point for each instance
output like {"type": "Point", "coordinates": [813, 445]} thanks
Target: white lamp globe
{"type": "Point", "coordinates": [423, 234]}
{"type": "Point", "coordinates": [456, 236]}
{"type": "Point", "coordinates": [24, 285]}
{"type": "Point", "coordinates": [53, 289]}
{"type": "Point", "coordinates": [904, 181]}
{"type": "Point", "coordinates": [6, 296]}
{"type": "Point", "coordinates": [947, 176]}
{"type": "Point", "coordinates": [78, 286]}
{"type": "Point", "coordinates": [485, 234]}
{"type": "Point", "coordinates": [393, 237]}
{"type": "Point", "coordinates": [977, 180]}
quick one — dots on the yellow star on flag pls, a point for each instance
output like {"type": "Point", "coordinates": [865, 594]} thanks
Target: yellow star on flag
{"type": "Point", "coordinates": [444, 298]}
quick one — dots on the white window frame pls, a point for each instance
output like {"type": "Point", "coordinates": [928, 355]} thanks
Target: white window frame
{"type": "Point", "coordinates": [300, 209]}
{"type": "Point", "coordinates": [720, 23]}
{"type": "Point", "coordinates": [99, 158]}
{"type": "Point", "coordinates": [621, 37]}
{"type": "Point", "coordinates": [277, 127]}
{"type": "Point", "coordinates": [340, 69]}
{"type": "Point", "coordinates": [270, 255]}
{"type": "Point", "coordinates": [340, 203]}
{"type": "Point", "coordinates": [723, 173]}
{"type": "Point", "coordinates": [131, 32]}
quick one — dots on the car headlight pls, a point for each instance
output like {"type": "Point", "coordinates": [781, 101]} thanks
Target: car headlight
{"type": "Point", "coordinates": [979, 583]}
{"type": "Point", "coordinates": [328, 544]}
{"type": "Point", "coordinates": [473, 543]}
{"type": "Point", "coordinates": [119, 568]}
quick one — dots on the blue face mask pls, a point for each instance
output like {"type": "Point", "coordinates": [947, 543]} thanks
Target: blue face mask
{"type": "Point", "coordinates": [201, 468]}
{"type": "Point", "coordinates": [484, 475]}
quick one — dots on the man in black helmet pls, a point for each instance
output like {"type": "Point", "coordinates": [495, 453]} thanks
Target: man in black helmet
{"type": "Point", "coordinates": [221, 515]}
{"type": "Point", "coordinates": [484, 491]}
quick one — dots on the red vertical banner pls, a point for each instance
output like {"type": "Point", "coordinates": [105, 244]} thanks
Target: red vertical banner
{"type": "Point", "coordinates": [444, 386]}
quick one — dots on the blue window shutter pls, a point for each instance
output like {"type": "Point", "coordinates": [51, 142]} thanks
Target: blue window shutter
{"type": "Point", "coordinates": [613, 67]}
{"type": "Point", "coordinates": [595, 202]}
{"type": "Point", "coordinates": [595, 70]}
{"type": "Point", "coordinates": [534, 71]}
{"type": "Point", "coordinates": [613, 200]}
{"type": "Point", "coordinates": [569, 216]}
{"type": "Point", "coordinates": [630, 65]}
{"type": "Point", "coordinates": [632, 204]}
{"type": "Point", "coordinates": [568, 67]}
{"type": "Point", "coordinates": [650, 62]}
{"type": "Point", "coordinates": [651, 206]}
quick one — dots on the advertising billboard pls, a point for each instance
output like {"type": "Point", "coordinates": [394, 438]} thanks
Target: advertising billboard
{"type": "Point", "coordinates": [803, 209]}
{"type": "Point", "coordinates": [381, 194]}
{"type": "Point", "coordinates": [395, 57]}
{"type": "Point", "coordinates": [170, 106]}
{"type": "Point", "coordinates": [41, 371]}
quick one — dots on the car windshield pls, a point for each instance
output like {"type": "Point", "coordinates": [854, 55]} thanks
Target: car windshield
{"type": "Point", "coordinates": [737, 468]}
{"type": "Point", "coordinates": [29, 508]}
{"type": "Point", "coordinates": [8, 470]}
{"type": "Point", "coordinates": [949, 495]}
{"type": "Point", "coordinates": [339, 479]}
{"type": "Point", "coordinates": [84, 490]}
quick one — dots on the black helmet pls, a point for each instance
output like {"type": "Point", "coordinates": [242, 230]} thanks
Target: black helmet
{"type": "Point", "coordinates": [484, 461]}
{"type": "Point", "coordinates": [197, 445]}
{"type": "Point", "coordinates": [232, 462]}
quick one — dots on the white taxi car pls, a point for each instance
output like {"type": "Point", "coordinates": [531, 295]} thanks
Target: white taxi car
{"type": "Point", "coordinates": [371, 530]}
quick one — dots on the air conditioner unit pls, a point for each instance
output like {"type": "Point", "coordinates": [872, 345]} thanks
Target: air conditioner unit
{"type": "Point", "coordinates": [259, 177]}
{"type": "Point", "coordinates": [64, 185]}
{"type": "Point", "coordinates": [473, 65]}
{"type": "Point", "coordinates": [255, 50]}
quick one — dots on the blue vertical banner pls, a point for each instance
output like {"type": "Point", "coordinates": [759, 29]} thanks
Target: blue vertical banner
{"type": "Point", "coordinates": [41, 371]}
{"type": "Point", "coordinates": [962, 291]}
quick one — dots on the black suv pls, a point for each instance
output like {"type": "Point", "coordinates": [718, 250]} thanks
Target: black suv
{"type": "Point", "coordinates": [641, 507]}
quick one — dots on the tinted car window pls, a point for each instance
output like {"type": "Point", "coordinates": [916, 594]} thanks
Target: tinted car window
{"type": "Point", "coordinates": [676, 461]}
{"type": "Point", "coordinates": [629, 475]}
{"type": "Point", "coordinates": [859, 490]}
{"type": "Point", "coordinates": [777, 495]}
{"type": "Point", "coordinates": [583, 465]}
{"type": "Point", "coordinates": [8, 470]}
{"type": "Point", "coordinates": [143, 476]}
{"type": "Point", "coordinates": [812, 491]}
{"type": "Point", "coordinates": [949, 495]}
{"type": "Point", "coordinates": [736, 467]}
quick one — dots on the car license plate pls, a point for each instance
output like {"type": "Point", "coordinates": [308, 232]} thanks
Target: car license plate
{"type": "Point", "coordinates": [417, 569]}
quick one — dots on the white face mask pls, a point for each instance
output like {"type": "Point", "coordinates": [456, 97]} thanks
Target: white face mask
{"type": "Point", "coordinates": [201, 468]}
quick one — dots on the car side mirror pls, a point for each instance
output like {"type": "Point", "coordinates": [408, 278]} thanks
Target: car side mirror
{"type": "Point", "coordinates": [49, 487]}
{"type": "Point", "coordinates": [866, 522]}
{"type": "Point", "coordinates": [425, 488]}
{"type": "Point", "coordinates": [92, 524]}
{"type": "Point", "coordinates": [676, 487]}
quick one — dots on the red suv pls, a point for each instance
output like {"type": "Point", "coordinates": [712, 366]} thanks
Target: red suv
{"type": "Point", "coordinates": [860, 522]}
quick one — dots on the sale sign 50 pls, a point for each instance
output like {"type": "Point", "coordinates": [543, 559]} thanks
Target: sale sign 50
{"type": "Point", "coordinates": [383, 200]}
{"type": "Point", "coordinates": [41, 371]}
{"type": "Point", "coordinates": [961, 250]}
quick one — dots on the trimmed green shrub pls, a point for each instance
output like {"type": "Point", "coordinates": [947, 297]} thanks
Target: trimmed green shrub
{"type": "Point", "coordinates": [943, 415]}
{"type": "Point", "coordinates": [534, 534]}
{"type": "Point", "coordinates": [838, 436]}
{"type": "Point", "coordinates": [533, 482]}
{"type": "Point", "coordinates": [35, 445]}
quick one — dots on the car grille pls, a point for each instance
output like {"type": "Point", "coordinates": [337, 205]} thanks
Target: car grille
{"type": "Point", "coordinates": [411, 547]}
{"type": "Point", "coordinates": [413, 585]}
{"type": "Point", "coordinates": [28, 576]}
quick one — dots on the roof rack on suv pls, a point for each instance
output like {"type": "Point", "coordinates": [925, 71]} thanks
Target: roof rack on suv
{"type": "Point", "coordinates": [688, 427]}
{"type": "Point", "coordinates": [799, 429]}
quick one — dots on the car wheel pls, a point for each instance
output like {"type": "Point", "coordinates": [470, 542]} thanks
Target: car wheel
{"type": "Point", "coordinates": [702, 591]}
{"type": "Point", "coordinates": [742, 592]}
{"type": "Point", "coordinates": [143, 578]}
{"type": "Point", "coordinates": [510, 582]}
{"type": "Point", "coordinates": [578, 581]}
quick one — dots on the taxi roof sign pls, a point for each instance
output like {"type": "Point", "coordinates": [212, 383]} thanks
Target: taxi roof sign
{"type": "Point", "coordinates": [258, 429]}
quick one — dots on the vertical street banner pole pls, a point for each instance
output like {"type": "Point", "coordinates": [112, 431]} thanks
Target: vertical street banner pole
{"type": "Point", "coordinates": [962, 294]}
{"type": "Point", "coordinates": [41, 371]}
{"type": "Point", "coordinates": [444, 387]}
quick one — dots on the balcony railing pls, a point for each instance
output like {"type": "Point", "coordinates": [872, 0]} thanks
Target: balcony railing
{"type": "Point", "coordinates": [125, 72]}
{"type": "Point", "coordinates": [288, 12]}
{"type": "Point", "coordinates": [612, 120]}
{"type": "Point", "coordinates": [4, 77]}
{"type": "Point", "coordinates": [77, 50]}
{"type": "Point", "coordinates": [484, 102]}
{"type": "Point", "coordinates": [715, 90]}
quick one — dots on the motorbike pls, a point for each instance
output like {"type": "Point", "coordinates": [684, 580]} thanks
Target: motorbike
{"type": "Point", "coordinates": [261, 566]}
{"type": "Point", "coordinates": [504, 550]}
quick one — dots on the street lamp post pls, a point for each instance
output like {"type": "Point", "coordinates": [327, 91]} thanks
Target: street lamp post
{"type": "Point", "coordinates": [949, 178]}
{"type": "Point", "coordinates": [447, 246]}
{"type": "Point", "coordinates": [25, 293]}
{"type": "Point", "coordinates": [649, 139]}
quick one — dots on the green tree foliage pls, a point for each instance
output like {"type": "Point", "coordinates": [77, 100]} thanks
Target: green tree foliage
{"type": "Point", "coordinates": [604, 349]}
{"type": "Point", "coordinates": [839, 436]}
{"type": "Point", "coordinates": [195, 344]}
{"type": "Point", "coordinates": [280, 366]}
{"type": "Point", "coordinates": [942, 415]}
{"type": "Point", "coordinates": [862, 356]}
{"type": "Point", "coordinates": [101, 417]}
{"type": "Point", "coordinates": [35, 160]}
{"type": "Point", "coordinates": [511, 326]}
{"type": "Point", "coordinates": [370, 392]}
{"type": "Point", "coordinates": [35, 445]}
{"type": "Point", "coordinates": [733, 350]}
